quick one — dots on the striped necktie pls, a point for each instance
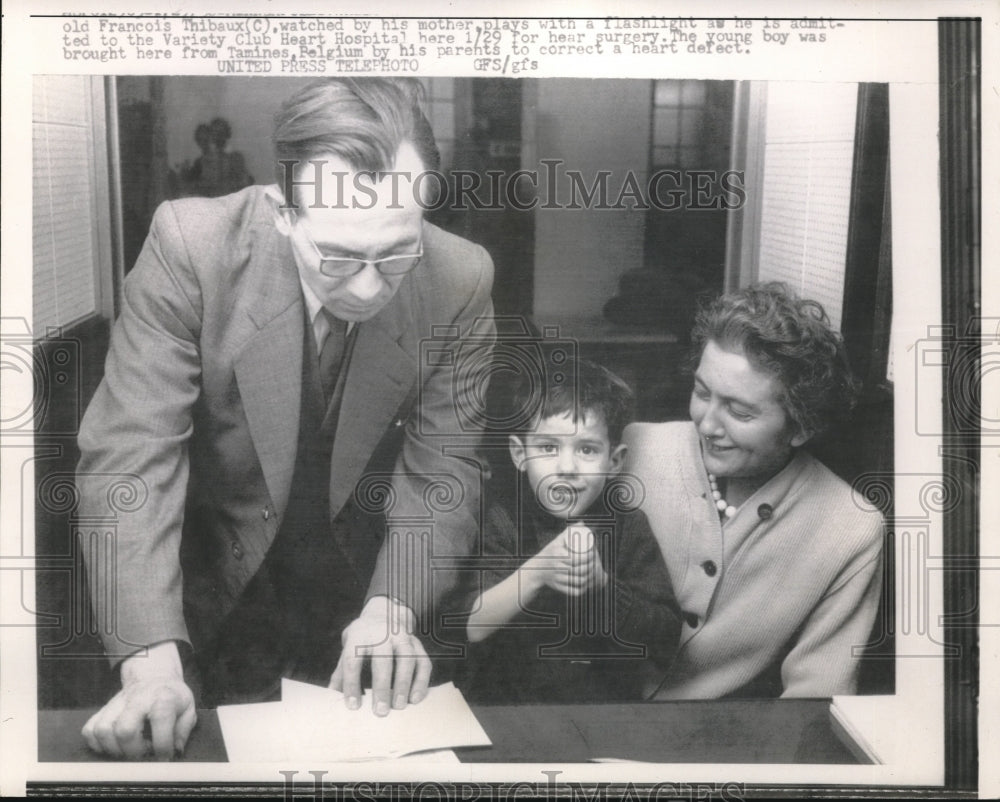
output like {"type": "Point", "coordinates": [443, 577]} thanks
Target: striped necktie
{"type": "Point", "coordinates": [331, 354]}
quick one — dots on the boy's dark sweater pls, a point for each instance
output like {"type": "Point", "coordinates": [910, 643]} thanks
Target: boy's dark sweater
{"type": "Point", "coordinates": [593, 647]}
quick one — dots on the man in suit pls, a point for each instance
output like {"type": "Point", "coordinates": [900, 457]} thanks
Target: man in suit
{"type": "Point", "coordinates": [275, 452]}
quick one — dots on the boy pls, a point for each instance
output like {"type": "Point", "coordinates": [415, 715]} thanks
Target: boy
{"type": "Point", "coordinates": [577, 597]}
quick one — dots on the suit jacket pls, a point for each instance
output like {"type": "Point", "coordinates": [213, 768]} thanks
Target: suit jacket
{"type": "Point", "coordinates": [191, 436]}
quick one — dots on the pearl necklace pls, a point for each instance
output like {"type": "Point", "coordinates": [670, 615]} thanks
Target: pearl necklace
{"type": "Point", "coordinates": [725, 509]}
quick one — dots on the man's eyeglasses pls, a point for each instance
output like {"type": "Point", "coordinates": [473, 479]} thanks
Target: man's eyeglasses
{"type": "Point", "coordinates": [345, 267]}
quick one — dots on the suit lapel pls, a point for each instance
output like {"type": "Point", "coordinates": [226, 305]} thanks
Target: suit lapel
{"type": "Point", "coordinates": [379, 377]}
{"type": "Point", "coordinates": [269, 367]}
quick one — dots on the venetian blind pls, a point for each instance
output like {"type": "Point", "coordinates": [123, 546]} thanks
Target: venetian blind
{"type": "Point", "coordinates": [808, 160]}
{"type": "Point", "coordinates": [65, 213]}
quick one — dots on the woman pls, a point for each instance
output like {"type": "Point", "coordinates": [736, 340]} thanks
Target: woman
{"type": "Point", "coordinates": [777, 566]}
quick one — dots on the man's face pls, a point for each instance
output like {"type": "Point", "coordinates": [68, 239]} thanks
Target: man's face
{"type": "Point", "coordinates": [373, 222]}
{"type": "Point", "coordinates": [567, 462]}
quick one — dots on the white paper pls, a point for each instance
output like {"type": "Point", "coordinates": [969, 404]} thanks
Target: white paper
{"type": "Point", "coordinates": [870, 722]}
{"type": "Point", "coordinates": [254, 733]}
{"type": "Point", "coordinates": [313, 723]}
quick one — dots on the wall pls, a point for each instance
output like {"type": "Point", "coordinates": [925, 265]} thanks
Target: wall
{"type": "Point", "coordinates": [591, 125]}
{"type": "Point", "coordinates": [249, 104]}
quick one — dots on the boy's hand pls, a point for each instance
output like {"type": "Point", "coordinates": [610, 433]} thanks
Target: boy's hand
{"type": "Point", "coordinates": [570, 563]}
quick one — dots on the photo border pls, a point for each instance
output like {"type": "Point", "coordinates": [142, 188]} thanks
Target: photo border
{"type": "Point", "coordinates": [959, 580]}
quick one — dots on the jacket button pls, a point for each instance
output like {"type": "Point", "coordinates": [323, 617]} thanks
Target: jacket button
{"type": "Point", "coordinates": [710, 567]}
{"type": "Point", "coordinates": [765, 511]}
{"type": "Point", "coordinates": [237, 550]}
{"type": "Point", "coordinates": [265, 513]}
{"type": "Point", "coordinates": [691, 619]}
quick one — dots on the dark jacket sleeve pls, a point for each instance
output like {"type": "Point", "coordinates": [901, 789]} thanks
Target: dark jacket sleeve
{"type": "Point", "coordinates": [493, 560]}
{"type": "Point", "coordinates": [646, 610]}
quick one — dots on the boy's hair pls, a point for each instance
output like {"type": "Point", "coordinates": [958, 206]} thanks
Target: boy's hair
{"type": "Point", "coordinates": [579, 387]}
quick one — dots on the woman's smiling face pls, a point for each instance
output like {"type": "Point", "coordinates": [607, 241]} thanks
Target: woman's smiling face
{"type": "Point", "coordinates": [746, 432]}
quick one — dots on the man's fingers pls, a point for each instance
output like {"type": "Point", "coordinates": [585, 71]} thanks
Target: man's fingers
{"type": "Point", "coordinates": [406, 663]}
{"type": "Point", "coordinates": [381, 679]}
{"type": "Point", "coordinates": [128, 728]}
{"type": "Point", "coordinates": [98, 733]}
{"type": "Point", "coordinates": [88, 732]}
{"type": "Point", "coordinates": [119, 728]}
{"type": "Point", "coordinates": [182, 730]}
{"type": "Point", "coordinates": [102, 727]}
{"type": "Point", "coordinates": [162, 720]}
{"type": "Point", "coordinates": [418, 690]}
{"type": "Point", "coordinates": [350, 675]}
{"type": "Point", "coordinates": [107, 741]}
{"type": "Point", "coordinates": [337, 678]}
{"type": "Point", "coordinates": [382, 636]}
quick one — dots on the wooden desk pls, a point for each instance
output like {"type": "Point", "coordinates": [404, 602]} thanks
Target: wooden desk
{"type": "Point", "coordinates": [718, 731]}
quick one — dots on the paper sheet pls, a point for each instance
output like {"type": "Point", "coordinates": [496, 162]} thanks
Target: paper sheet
{"type": "Point", "coordinates": [866, 724]}
{"type": "Point", "coordinates": [313, 723]}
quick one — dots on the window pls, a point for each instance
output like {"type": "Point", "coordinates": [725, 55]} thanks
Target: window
{"type": "Point", "coordinates": [678, 119]}
{"type": "Point", "coordinates": [70, 235]}
{"type": "Point", "coordinates": [685, 238]}
{"type": "Point", "coordinates": [806, 199]}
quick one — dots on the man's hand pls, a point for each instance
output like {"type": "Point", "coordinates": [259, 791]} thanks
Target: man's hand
{"type": "Point", "coordinates": [153, 690]}
{"type": "Point", "coordinates": [569, 563]}
{"type": "Point", "coordinates": [401, 669]}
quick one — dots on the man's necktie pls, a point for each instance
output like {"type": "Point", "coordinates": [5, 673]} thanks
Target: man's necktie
{"type": "Point", "coordinates": [331, 354]}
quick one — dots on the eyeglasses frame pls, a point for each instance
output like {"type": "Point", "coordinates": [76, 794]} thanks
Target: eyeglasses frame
{"type": "Point", "coordinates": [361, 263]}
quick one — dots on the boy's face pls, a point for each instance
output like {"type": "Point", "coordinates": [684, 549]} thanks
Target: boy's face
{"type": "Point", "coordinates": [567, 462]}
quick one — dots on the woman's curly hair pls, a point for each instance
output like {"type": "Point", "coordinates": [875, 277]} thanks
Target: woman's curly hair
{"type": "Point", "coordinates": [792, 339]}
